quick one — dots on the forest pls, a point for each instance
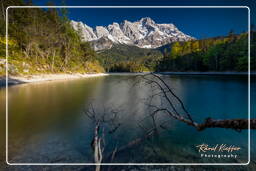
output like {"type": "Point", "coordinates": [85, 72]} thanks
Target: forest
{"type": "Point", "coordinates": [43, 41]}
{"type": "Point", "coordinates": [124, 58]}
{"type": "Point", "coordinates": [226, 53]}
{"type": "Point", "coordinates": [229, 53]}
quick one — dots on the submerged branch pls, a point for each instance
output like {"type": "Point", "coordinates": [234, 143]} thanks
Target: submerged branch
{"type": "Point", "coordinates": [237, 124]}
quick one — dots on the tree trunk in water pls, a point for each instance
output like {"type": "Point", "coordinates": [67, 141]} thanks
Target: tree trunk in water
{"type": "Point", "coordinates": [237, 124]}
{"type": "Point", "coordinates": [97, 147]}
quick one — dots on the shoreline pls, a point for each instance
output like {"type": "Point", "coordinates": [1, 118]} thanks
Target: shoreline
{"type": "Point", "coordinates": [187, 73]}
{"type": "Point", "coordinates": [207, 73]}
{"type": "Point", "coordinates": [23, 79]}
{"type": "Point", "coordinates": [15, 80]}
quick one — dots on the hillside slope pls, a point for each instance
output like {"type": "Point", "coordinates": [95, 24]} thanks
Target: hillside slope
{"type": "Point", "coordinates": [229, 53]}
{"type": "Point", "coordinates": [42, 41]}
{"type": "Point", "coordinates": [124, 58]}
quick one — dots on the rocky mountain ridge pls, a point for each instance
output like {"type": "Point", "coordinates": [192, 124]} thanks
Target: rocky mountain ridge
{"type": "Point", "coordinates": [144, 33]}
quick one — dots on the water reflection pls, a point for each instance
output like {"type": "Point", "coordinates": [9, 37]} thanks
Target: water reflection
{"type": "Point", "coordinates": [47, 123]}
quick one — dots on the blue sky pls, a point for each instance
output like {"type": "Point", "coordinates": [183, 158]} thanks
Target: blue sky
{"type": "Point", "coordinates": [200, 23]}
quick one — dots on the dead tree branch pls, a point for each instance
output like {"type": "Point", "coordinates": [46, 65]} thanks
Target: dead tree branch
{"type": "Point", "coordinates": [237, 124]}
{"type": "Point", "coordinates": [164, 88]}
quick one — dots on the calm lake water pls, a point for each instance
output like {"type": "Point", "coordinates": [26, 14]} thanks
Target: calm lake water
{"type": "Point", "coordinates": [47, 121]}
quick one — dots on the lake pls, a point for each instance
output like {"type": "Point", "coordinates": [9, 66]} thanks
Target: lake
{"type": "Point", "coordinates": [48, 121]}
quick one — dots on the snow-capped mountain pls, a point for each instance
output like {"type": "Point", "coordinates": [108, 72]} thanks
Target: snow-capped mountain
{"type": "Point", "coordinates": [144, 33]}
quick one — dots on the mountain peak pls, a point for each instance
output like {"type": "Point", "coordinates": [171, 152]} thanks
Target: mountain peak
{"type": "Point", "coordinates": [145, 33]}
{"type": "Point", "coordinates": [147, 20]}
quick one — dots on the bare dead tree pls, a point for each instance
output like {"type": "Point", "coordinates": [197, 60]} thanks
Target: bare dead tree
{"type": "Point", "coordinates": [100, 119]}
{"type": "Point", "coordinates": [109, 117]}
{"type": "Point", "coordinates": [180, 113]}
